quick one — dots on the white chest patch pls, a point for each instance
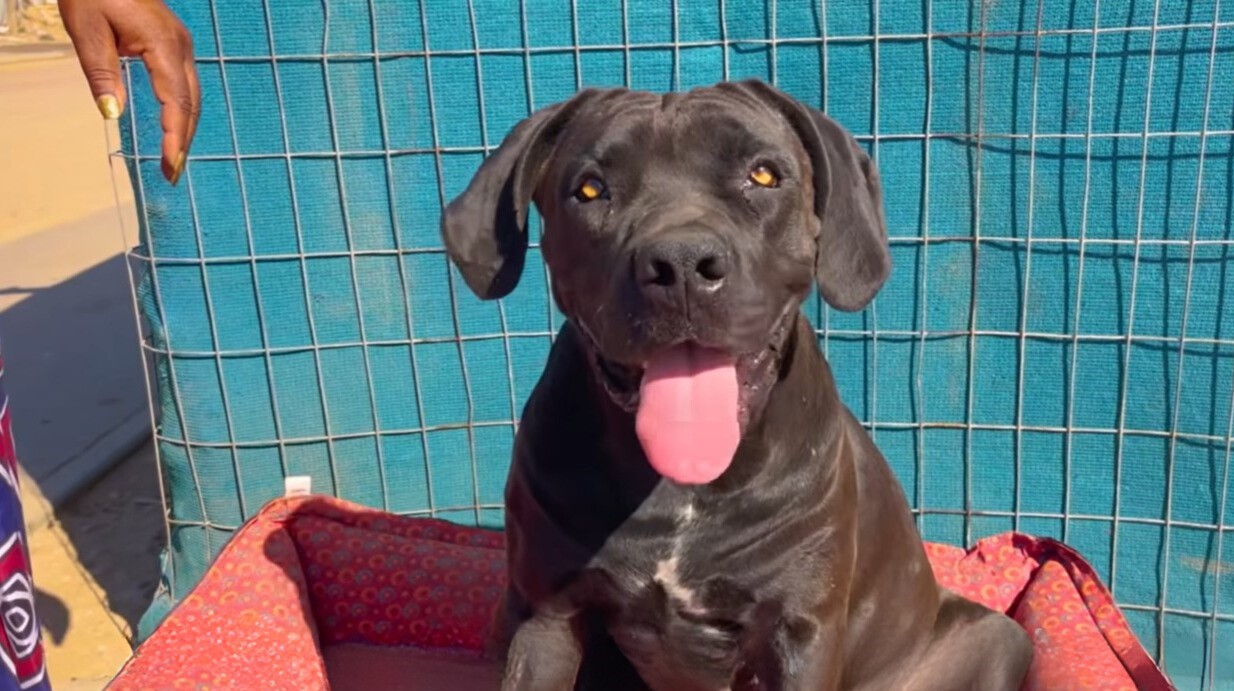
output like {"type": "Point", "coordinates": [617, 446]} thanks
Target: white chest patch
{"type": "Point", "coordinates": [668, 576]}
{"type": "Point", "coordinates": [668, 571]}
{"type": "Point", "coordinates": [686, 517]}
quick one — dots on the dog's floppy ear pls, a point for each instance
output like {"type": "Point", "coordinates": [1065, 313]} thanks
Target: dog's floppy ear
{"type": "Point", "coordinates": [853, 260]}
{"type": "Point", "coordinates": [485, 227]}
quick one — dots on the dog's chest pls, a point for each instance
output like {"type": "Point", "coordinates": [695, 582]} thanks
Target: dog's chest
{"type": "Point", "coordinates": [670, 574]}
{"type": "Point", "coordinates": [681, 614]}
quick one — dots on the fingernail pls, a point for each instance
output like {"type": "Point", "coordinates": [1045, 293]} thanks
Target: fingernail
{"type": "Point", "coordinates": [177, 169]}
{"type": "Point", "coordinates": [109, 106]}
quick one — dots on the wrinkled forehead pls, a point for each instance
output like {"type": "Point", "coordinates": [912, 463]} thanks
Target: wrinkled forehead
{"type": "Point", "coordinates": [702, 125]}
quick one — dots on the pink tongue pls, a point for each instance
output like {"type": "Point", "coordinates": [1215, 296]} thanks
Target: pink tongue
{"type": "Point", "coordinates": [687, 414]}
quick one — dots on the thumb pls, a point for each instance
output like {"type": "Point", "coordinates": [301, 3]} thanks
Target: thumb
{"type": "Point", "coordinates": [100, 62]}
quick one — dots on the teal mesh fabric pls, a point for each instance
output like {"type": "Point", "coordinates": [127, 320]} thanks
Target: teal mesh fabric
{"type": "Point", "coordinates": [1054, 352]}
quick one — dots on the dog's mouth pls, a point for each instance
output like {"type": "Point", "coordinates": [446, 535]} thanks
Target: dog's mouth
{"type": "Point", "coordinates": [623, 382]}
{"type": "Point", "coordinates": [692, 401]}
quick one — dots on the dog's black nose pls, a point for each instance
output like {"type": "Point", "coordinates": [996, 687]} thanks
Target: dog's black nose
{"type": "Point", "coordinates": [682, 260]}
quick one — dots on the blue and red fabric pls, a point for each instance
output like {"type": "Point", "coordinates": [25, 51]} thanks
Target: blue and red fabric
{"type": "Point", "coordinates": [21, 649]}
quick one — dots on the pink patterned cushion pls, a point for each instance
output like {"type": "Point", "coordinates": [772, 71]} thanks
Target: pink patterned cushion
{"type": "Point", "coordinates": [314, 572]}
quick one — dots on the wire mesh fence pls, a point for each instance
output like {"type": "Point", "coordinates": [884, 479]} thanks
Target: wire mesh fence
{"type": "Point", "coordinates": [1053, 354]}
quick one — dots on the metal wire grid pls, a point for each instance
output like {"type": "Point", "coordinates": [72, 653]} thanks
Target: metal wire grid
{"type": "Point", "coordinates": [146, 259]}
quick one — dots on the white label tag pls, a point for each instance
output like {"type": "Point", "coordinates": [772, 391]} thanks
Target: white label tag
{"type": "Point", "coordinates": [297, 486]}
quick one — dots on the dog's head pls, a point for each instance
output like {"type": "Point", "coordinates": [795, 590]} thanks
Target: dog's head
{"type": "Point", "coordinates": [693, 221]}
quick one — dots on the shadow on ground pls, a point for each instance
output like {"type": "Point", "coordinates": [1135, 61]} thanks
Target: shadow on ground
{"type": "Point", "coordinates": [72, 365]}
{"type": "Point", "coordinates": [54, 615]}
{"type": "Point", "coordinates": [116, 528]}
{"type": "Point", "coordinates": [77, 395]}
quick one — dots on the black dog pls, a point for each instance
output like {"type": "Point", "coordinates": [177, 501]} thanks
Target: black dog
{"type": "Point", "coordinates": [691, 506]}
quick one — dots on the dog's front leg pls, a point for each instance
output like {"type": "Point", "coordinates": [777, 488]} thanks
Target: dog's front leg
{"type": "Point", "coordinates": [544, 655]}
{"type": "Point", "coordinates": [801, 656]}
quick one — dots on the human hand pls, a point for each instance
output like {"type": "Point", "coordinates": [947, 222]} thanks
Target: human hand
{"type": "Point", "coordinates": [104, 30]}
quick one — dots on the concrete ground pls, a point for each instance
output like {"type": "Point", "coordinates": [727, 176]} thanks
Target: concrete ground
{"type": "Point", "coordinates": [66, 315]}
{"type": "Point", "coordinates": [95, 570]}
{"type": "Point", "coordinates": [73, 369]}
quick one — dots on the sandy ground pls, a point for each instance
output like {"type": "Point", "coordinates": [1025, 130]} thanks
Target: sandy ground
{"type": "Point", "coordinates": [66, 311]}
{"type": "Point", "coordinates": [95, 558]}
{"type": "Point", "coordinates": [52, 141]}
{"type": "Point", "coordinates": [95, 570]}
{"type": "Point", "coordinates": [70, 342]}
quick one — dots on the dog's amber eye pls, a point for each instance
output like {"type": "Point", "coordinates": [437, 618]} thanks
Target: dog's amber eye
{"type": "Point", "coordinates": [763, 177]}
{"type": "Point", "coordinates": [590, 190]}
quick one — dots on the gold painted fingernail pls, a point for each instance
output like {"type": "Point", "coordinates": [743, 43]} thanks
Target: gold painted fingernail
{"type": "Point", "coordinates": [109, 106]}
{"type": "Point", "coordinates": [177, 169]}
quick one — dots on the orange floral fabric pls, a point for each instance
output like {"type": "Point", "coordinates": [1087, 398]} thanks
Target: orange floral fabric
{"type": "Point", "coordinates": [315, 571]}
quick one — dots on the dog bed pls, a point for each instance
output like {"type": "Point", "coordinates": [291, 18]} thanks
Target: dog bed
{"type": "Point", "coordinates": [316, 593]}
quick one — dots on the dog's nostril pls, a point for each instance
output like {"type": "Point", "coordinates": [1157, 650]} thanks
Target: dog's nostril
{"type": "Point", "coordinates": [680, 260]}
{"type": "Point", "coordinates": [712, 268]}
{"type": "Point", "coordinates": [662, 273]}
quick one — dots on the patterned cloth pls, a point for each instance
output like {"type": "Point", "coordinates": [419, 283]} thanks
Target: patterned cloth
{"type": "Point", "coordinates": [310, 573]}
{"type": "Point", "coordinates": [21, 649]}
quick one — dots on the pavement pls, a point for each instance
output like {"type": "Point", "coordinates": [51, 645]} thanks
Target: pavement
{"type": "Point", "coordinates": [15, 51]}
{"type": "Point", "coordinates": [73, 368]}
{"type": "Point", "coordinates": [53, 144]}
{"type": "Point", "coordinates": [66, 316]}
{"type": "Point", "coordinates": [95, 570]}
